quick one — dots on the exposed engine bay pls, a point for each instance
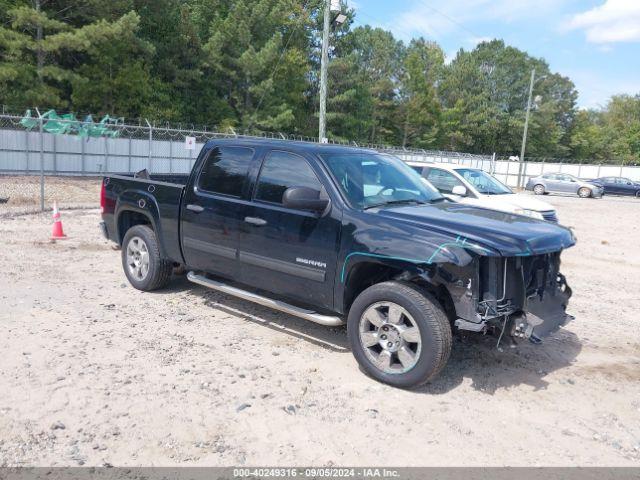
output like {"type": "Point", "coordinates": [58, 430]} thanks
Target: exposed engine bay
{"type": "Point", "coordinates": [522, 296]}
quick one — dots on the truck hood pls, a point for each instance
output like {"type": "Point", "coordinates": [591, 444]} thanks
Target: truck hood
{"type": "Point", "coordinates": [505, 233]}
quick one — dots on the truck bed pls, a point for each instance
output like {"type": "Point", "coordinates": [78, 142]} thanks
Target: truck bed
{"type": "Point", "coordinates": [158, 199]}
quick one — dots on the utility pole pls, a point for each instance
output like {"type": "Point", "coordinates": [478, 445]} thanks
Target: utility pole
{"type": "Point", "coordinates": [39, 50]}
{"type": "Point", "coordinates": [526, 127]}
{"type": "Point", "coordinates": [39, 65]}
{"type": "Point", "coordinates": [41, 145]}
{"type": "Point", "coordinates": [324, 65]}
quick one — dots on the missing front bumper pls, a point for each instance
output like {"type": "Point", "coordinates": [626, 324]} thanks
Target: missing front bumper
{"type": "Point", "coordinates": [544, 316]}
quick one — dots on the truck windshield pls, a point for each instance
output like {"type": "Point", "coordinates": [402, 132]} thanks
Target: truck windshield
{"type": "Point", "coordinates": [483, 182]}
{"type": "Point", "coordinates": [373, 179]}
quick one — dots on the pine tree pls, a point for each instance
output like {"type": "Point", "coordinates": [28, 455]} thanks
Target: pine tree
{"type": "Point", "coordinates": [257, 57]}
{"type": "Point", "coordinates": [421, 112]}
{"type": "Point", "coordinates": [47, 62]}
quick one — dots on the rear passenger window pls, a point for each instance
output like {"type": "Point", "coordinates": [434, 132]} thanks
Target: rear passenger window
{"type": "Point", "coordinates": [443, 181]}
{"type": "Point", "coordinates": [282, 170]}
{"type": "Point", "coordinates": [225, 170]}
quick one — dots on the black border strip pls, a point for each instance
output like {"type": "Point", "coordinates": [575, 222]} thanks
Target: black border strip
{"type": "Point", "coordinates": [208, 247]}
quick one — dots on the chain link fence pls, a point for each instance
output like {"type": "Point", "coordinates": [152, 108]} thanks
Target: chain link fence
{"type": "Point", "coordinates": [73, 155]}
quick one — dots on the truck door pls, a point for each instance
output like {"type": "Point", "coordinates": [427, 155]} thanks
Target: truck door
{"type": "Point", "coordinates": [213, 209]}
{"type": "Point", "coordinates": [289, 252]}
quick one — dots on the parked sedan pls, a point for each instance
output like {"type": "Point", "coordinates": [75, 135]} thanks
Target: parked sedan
{"type": "Point", "coordinates": [618, 186]}
{"type": "Point", "coordinates": [476, 187]}
{"type": "Point", "coordinates": [563, 183]}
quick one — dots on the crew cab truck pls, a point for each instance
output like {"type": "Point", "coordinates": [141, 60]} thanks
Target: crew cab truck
{"type": "Point", "coordinates": [340, 235]}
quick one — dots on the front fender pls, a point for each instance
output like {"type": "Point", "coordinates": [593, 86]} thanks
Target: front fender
{"type": "Point", "coordinates": [410, 249]}
{"type": "Point", "coordinates": [403, 248]}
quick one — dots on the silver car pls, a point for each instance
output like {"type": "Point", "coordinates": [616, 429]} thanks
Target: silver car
{"type": "Point", "coordinates": [563, 183]}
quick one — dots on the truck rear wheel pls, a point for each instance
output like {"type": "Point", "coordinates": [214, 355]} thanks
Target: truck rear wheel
{"type": "Point", "coordinates": [141, 260]}
{"type": "Point", "coordinates": [399, 334]}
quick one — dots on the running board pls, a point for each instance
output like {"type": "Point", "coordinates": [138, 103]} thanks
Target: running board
{"type": "Point", "coordinates": [265, 301]}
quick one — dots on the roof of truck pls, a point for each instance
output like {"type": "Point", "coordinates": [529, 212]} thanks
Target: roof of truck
{"type": "Point", "coordinates": [290, 145]}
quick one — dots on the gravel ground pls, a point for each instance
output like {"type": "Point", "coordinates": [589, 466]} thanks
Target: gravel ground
{"type": "Point", "coordinates": [95, 372]}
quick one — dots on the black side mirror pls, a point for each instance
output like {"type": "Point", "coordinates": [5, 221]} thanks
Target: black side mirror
{"type": "Point", "coordinates": [304, 198]}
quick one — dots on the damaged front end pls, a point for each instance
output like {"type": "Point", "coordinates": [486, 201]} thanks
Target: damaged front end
{"type": "Point", "coordinates": [520, 296]}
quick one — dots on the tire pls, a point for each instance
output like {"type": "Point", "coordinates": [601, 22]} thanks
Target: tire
{"type": "Point", "coordinates": [430, 344]}
{"type": "Point", "coordinates": [584, 192]}
{"type": "Point", "coordinates": [539, 189]}
{"type": "Point", "coordinates": [140, 243]}
{"type": "Point", "coordinates": [638, 194]}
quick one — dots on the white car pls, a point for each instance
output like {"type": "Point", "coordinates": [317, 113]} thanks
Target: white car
{"type": "Point", "coordinates": [476, 187]}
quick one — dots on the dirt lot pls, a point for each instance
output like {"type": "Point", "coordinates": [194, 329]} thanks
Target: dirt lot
{"type": "Point", "coordinates": [95, 372]}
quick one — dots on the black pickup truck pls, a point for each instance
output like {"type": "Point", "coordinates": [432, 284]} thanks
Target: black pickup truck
{"type": "Point", "coordinates": [341, 235]}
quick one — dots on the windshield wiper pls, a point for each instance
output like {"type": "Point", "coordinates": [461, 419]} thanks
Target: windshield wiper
{"type": "Point", "coordinates": [395, 202]}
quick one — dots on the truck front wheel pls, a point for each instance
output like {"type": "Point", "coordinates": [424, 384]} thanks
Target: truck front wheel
{"type": "Point", "coordinates": [141, 260]}
{"type": "Point", "coordinates": [399, 334]}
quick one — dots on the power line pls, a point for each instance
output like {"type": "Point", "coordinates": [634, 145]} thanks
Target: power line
{"type": "Point", "coordinates": [382, 24]}
{"type": "Point", "coordinates": [435, 34]}
{"type": "Point", "coordinates": [452, 20]}
{"type": "Point", "coordinates": [275, 69]}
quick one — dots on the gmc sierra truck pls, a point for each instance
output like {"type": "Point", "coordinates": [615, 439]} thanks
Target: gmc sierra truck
{"type": "Point", "coordinates": [339, 235]}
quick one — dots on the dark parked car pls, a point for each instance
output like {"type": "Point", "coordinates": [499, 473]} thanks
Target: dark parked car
{"type": "Point", "coordinates": [618, 186]}
{"type": "Point", "coordinates": [334, 234]}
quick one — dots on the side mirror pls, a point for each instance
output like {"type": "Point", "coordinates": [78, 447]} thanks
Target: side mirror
{"type": "Point", "coordinates": [459, 190]}
{"type": "Point", "coordinates": [304, 198]}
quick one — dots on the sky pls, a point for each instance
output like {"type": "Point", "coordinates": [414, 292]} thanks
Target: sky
{"type": "Point", "coordinates": [596, 43]}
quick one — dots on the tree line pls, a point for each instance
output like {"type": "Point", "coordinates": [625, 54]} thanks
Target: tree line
{"type": "Point", "coordinates": [253, 65]}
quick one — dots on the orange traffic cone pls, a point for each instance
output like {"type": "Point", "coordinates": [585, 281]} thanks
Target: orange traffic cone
{"type": "Point", "coordinates": [57, 233]}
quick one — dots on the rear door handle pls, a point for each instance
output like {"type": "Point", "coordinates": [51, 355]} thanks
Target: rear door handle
{"type": "Point", "coordinates": [255, 221]}
{"type": "Point", "coordinates": [195, 208]}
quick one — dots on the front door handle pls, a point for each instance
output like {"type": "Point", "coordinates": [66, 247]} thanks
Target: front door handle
{"type": "Point", "coordinates": [195, 208]}
{"type": "Point", "coordinates": [255, 221]}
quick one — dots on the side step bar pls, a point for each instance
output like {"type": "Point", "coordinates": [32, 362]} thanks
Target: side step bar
{"type": "Point", "coordinates": [265, 301]}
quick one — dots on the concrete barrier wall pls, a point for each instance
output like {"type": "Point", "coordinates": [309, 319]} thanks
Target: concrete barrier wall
{"type": "Point", "coordinates": [165, 152]}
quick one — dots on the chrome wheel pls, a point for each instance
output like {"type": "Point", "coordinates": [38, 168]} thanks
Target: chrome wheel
{"type": "Point", "coordinates": [584, 192]}
{"type": "Point", "coordinates": [390, 337]}
{"type": "Point", "coordinates": [538, 190]}
{"type": "Point", "coordinates": [138, 258]}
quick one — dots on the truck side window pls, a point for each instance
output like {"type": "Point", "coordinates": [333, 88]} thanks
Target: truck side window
{"type": "Point", "coordinates": [225, 170]}
{"type": "Point", "coordinates": [282, 170]}
{"type": "Point", "coordinates": [442, 180]}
